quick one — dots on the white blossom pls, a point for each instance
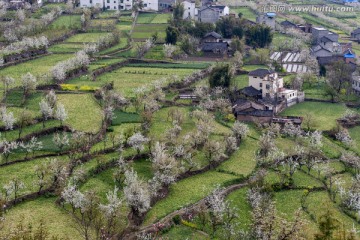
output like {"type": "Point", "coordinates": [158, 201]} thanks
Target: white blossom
{"type": "Point", "coordinates": [136, 192]}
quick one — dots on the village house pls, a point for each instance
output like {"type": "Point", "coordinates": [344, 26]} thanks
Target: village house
{"type": "Point", "coordinates": [190, 10]}
{"type": "Point", "coordinates": [355, 35]}
{"type": "Point", "coordinates": [271, 86]}
{"type": "Point", "coordinates": [126, 4]}
{"type": "Point", "coordinates": [212, 37]}
{"type": "Point", "coordinates": [285, 25]}
{"type": "Point", "coordinates": [150, 5]}
{"type": "Point", "coordinates": [265, 97]}
{"type": "Point", "coordinates": [212, 13]}
{"type": "Point", "coordinates": [166, 5]}
{"type": "Point", "coordinates": [319, 32]}
{"type": "Point", "coordinates": [356, 83]}
{"type": "Point", "coordinates": [107, 4]}
{"type": "Point", "coordinates": [212, 44]}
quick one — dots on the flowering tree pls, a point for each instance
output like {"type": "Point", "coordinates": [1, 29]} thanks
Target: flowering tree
{"type": "Point", "coordinates": [6, 148]}
{"type": "Point", "coordinates": [137, 142]}
{"type": "Point", "coordinates": [61, 70]}
{"type": "Point", "coordinates": [136, 193]}
{"type": "Point", "coordinates": [240, 131]}
{"type": "Point", "coordinates": [169, 50]}
{"type": "Point", "coordinates": [42, 173]}
{"type": "Point", "coordinates": [344, 137]}
{"type": "Point", "coordinates": [14, 186]}
{"type": "Point", "coordinates": [111, 212]}
{"type": "Point", "coordinates": [46, 111]}
{"type": "Point", "coordinates": [143, 48]}
{"type": "Point", "coordinates": [25, 119]}
{"type": "Point", "coordinates": [266, 145]}
{"type": "Point", "coordinates": [28, 83]}
{"type": "Point", "coordinates": [61, 140]}
{"type": "Point", "coordinates": [165, 166]}
{"type": "Point", "coordinates": [119, 173]}
{"type": "Point", "coordinates": [291, 130]}
{"type": "Point", "coordinates": [7, 118]}
{"type": "Point", "coordinates": [60, 113]}
{"type": "Point", "coordinates": [230, 144]}
{"type": "Point", "coordinates": [7, 81]}
{"type": "Point", "coordinates": [214, 151]}
{"type": "Point", "coordinates": [51, 98]}
{"type": "Point", "coordinates": [31, 146]}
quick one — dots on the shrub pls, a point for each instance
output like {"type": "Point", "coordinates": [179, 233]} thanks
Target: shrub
{"type": "Point", "coordinates": [177, 219]}
{"type": "Point", "coordinates": [189, 224]}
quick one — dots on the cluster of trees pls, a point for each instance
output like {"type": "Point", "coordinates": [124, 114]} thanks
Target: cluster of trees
{"type": "Point", "coordinates": [50, 108]}
{"type": "Point", "coordinates": [307, 152]}
{"type": "Point", "coordinates": [103, 42]}
{"type": "Point", "coordinates": [338, 79]}
{"type": "Point", "coordinates": [8, 147]}
{"type": "Point", "coordinates": [65, 68]}
{"type": "Point", "coordinates": [16, 30]}
{"type": "Point", "coordinates": [26, 44]}
{"type": "Point", "coordinates": [188, 34]}
{"type": "Point", "coordinates": [143, 48]}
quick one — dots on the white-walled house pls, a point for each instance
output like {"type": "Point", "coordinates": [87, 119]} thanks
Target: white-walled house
{"type": "Point", "coordinates": [151, 5]}
{"type": "Point", "coordinates": [266, 81]}
{"type": "Point", "coordinates": [222, 9]}
{"type": "Point", "coordinates": [269, 83]}
{"type": "Point", "coordinates": [356, 84]}
{"type": "Point", "coordinates": [126, 4]}
{"type": "Point", "coordinates": [190, 10]}
{"type": "Point", "coordinates": [107, 4]}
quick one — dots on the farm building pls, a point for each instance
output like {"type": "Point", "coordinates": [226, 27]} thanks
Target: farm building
{"type": "Point", "coordinates": [355, 35]}
{"type": "Point", "coordinates": [319, 32]}
{"type": "Point", "coordinates": [290, 61]}
{"type": "Point", "coordinates": [212, 37]}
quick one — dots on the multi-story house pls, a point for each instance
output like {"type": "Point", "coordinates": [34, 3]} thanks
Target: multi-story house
{"type": "Point", "coordinates": [150, 5]}
{"type": "Point", "coordinates": [104, 4]}
{"type": "Point", "coordinates": [212, 13]}
{"type": "Point", "coordinates": [190, 10]}
{"type": "Point", "coordinates": [319, 32]}
{"type": "Point", "coordinates": [126, 4]}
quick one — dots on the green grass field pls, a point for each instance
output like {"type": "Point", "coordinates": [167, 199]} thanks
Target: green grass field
{"type": "Point", "coordinates": [145, 31]}
{"type": "Point", "coordinates": [247, 13]}
{"type": "Point", "coordinates": [325, 114]}
{"type": "Point", "coordinates": [83, 112]}
{"type": "Point", "coordinates": [58, 222]}
{"type": "Point", "coordinates": [85, 37]}
{"type": "Point", "coordinates": [126, 79]}
{"type": "Point", "coordinates": [39, 67]}
{"type": "Point", "coordinates": [67, 22]}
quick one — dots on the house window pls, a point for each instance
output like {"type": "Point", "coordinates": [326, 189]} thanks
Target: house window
{"type": "Point", "coordinates": [114, 1]}
{"type": "Point", "coordinates": [114, 7]}
{"type": "Point", "coordinates": [267, 86]}
{"type": "Point", "coordinates": [260, 85]}
{"type": "Point", "coordinates": [108, 1]}
{"type": "Point", "coordinates": [90, 1]}
{"type": "Point", "coordinates": [267, 95]}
